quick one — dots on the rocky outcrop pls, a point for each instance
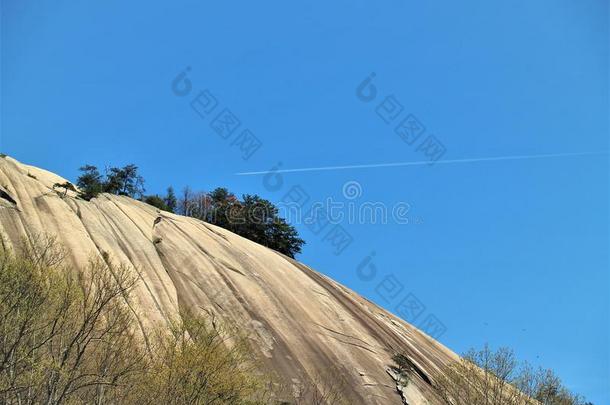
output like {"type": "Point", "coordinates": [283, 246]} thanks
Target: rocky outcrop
{"type": "Point", "coordinates": [301, 322]}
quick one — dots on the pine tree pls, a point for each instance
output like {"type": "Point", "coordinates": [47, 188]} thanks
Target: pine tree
{"type": "Point", "coordinates": [124, 181]}
{"type": "Point", "coordinates": [90, 182]}
{"type": "Point", "coordinates": [171, 202]}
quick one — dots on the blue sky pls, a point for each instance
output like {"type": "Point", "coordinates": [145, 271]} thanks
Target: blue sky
{"type": "Point", "coordinates": [510, 252]}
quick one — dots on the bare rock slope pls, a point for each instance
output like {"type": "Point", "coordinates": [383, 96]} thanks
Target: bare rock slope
{"type": "Point", "coordinates": [302, 322]}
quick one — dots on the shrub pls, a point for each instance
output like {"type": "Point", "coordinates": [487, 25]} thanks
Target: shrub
{"type": "Point", "coordinates": [195, 365]}
{"type": "Point", "coordinates": [497, 378]}
{"type": "Point", "coordinates": [68, 336]}
{"type": "Point", "coordinates": [156, 201]}
{"type": "Point", "coordinates": [67, 186]}
{"type": "Point", "coordinates": [325, 388]}
{"type": "Point", "coordinates": [90, 182]}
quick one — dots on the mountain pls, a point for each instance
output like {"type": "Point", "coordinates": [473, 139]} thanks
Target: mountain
{"type": "Point", "coordinates": [301, 322]}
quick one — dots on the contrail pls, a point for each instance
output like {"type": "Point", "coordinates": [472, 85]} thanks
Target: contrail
{"type": "Point", "coordinates": [424, 162]}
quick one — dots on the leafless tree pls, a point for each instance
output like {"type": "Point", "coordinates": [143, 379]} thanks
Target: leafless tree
{"type": "Point", "coordinates": [327, 388]}
{"type": "Point", "coordinates": [488, 377]}
{"type": "Point", "coordinates": [69, 336]}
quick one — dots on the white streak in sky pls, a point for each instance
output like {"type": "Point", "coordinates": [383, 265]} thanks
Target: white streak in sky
{"type": "Point", "coordinates": [424, 162]}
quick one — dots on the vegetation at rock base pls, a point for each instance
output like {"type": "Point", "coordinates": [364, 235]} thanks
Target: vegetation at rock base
{"type": "Point", "coordinates": [326, 388]}
{"type": "Point", "coordinates": [487, 377]}
{"type": "Point", "coordinates": [70, 336]}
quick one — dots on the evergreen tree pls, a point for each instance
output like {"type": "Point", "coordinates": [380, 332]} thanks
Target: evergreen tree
{"type": "Point", "coordinates": [253, 217]}
{"type": "Point", "coordinates": [224, 210]}
{"type": "Point", "coordinates": [171, 202]}
{"type": "Point", "coordinates": [90, 182]}
{"type": "Point", "coordinates": [284, 238]}
{"type": "Point", "coordinates": [124, 181]}
{"type": "Point", "coordinates": [156, 201]}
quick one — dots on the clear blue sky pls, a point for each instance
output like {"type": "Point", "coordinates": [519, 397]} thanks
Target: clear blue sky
{"type": "Point", "coordinates": [510, 252]}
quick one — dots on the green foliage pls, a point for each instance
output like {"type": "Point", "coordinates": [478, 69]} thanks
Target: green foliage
{"type": "Point", "coordinates": [488, 377]}
{"type": "Point", "coordinates": [403, 364]}
{"type": "Point", "coordinates": [68, 336]}
{"type": "Point", "coordinates": [124, 181]}
{"type": "Point", "coordinates": [167, 203]}
{"type": "Point", "coordinates": [224, 209]}
{"type": "Point", "coordinates": [118, 180]}
{"type": "Point", "coordinates": [90, 182]}
{"type": "Point", "coordinates": [171, 202]}
{"type": "Point", "coordinates": [284, 238]}
{"type": "Point", "coordinates": [67, 186]}
{"type": "Point", "coordinates": [156, 201]}
{"type": "Point", "coordinates": [196, 365]}
{"type": "Point", "coordinates": [252, 217]}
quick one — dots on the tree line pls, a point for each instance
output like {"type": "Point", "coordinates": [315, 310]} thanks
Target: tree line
{"type": "Point", "coordinates": [252, 217]}
{"type": "Point", "coordinates": [491, 377]}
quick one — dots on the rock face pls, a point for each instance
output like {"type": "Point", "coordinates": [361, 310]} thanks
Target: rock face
{"type": "Point", "coordinates": [302, 323]}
